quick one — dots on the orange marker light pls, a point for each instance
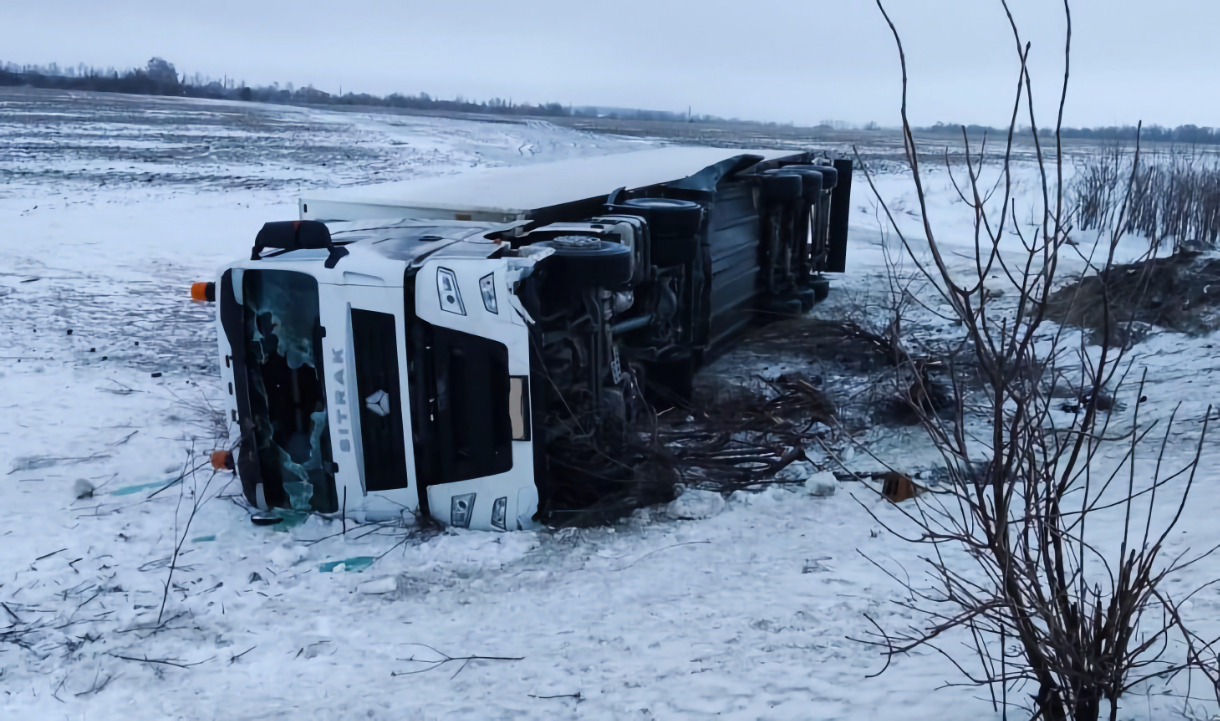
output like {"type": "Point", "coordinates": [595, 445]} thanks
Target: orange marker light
{"type": "Point", "coordinates": [222, 460]}
{"type": "Point", "coordinates": [205, 292]}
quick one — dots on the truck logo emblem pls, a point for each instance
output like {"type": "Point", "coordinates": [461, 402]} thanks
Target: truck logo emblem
{"type": "Point", "coordinates": [378, 403]}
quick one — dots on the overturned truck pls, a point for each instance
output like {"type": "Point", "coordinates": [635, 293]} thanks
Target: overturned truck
{"type": "Point", "coordinates": [480, 348]}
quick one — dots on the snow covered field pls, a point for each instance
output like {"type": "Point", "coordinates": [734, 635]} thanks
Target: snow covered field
{"type": "Point", "coordinates": [111, 206]}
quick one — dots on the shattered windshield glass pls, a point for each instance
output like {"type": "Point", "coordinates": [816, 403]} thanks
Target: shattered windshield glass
{"type": "Point", "coordinates": [284, 364]}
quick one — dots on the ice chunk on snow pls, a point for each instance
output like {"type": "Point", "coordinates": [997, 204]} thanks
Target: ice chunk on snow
{"type": "Point", "coordinates": [796, 471]}
{"type": "Point", "coordinates": [389, 584]}
{"type": "Point", "coordinates": [694, 504]}
{"type": "Point", "coordinates": [771, 495]}
{"type": "Point", "coordinates": [288, 555]}
{"type": "Point", "coordinates": [822, 484]}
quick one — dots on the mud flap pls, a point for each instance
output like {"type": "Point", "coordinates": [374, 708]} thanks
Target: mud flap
{"type": "Point", "coordinates": [840, 215]}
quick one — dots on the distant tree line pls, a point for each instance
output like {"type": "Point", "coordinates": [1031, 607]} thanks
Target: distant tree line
{"type": "Point", "coordinates": [1183, 134]}
{"type": "Point", "coordinates": [160, 77]}
{"type": "Point", "coordinates": [157, 78]}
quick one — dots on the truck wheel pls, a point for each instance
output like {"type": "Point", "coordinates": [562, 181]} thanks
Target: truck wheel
{"type": "Point", "coordinates": [670, 380]}
{"type": "Point", "coordinates": [830, 176]}
{"type": "Point", "coordinates": [811, 180]}
{"type": "Point", "coordinates": [591, 262]}
{"type": "Point", "coordinates": [667, 217]}
{"type": "Point", "coordinates": [781, 187]}
{"type": "Point", "coordinates": [807, 298]}
{"type": "Point", "coordinates": [821, 289]}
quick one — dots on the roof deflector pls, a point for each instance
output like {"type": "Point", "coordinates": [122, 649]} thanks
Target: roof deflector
{"type": "Point", "coordinates": [290, 235]}
{"type": "Point", "coordinates": [707, 179]}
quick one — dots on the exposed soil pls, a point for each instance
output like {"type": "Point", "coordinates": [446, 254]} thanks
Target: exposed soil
{"type": "Point", "coordinates": [1180, 293]}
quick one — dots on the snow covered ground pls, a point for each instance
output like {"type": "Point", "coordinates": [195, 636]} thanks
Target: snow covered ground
{"type": "Point", "coordinates": [110, 206]}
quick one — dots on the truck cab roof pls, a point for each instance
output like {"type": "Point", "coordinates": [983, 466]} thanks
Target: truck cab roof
{"type": "Point", "coordinates": [405, 242]}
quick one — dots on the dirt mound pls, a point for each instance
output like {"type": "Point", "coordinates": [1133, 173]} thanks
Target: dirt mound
{"type": "Point", "coordinates": [1180, 293]}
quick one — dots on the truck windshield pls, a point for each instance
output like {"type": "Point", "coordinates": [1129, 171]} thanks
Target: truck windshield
{"type": "Point", "coordinates": [283, 363]}
{"type": "Point", "coordinates": [460, 392]}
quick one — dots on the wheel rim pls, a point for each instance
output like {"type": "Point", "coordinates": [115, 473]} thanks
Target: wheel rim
{"type": "Point", "coordinates": [577, 242]}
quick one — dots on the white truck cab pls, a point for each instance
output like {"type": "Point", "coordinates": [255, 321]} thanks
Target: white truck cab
{"type": "Point", "coordinates": [470, 348]}
{"type": "Point", "coordinates": [336, 375]}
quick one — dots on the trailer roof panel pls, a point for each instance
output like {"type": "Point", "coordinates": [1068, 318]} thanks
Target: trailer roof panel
{"type": "Point", "coordinates": [517, 190]}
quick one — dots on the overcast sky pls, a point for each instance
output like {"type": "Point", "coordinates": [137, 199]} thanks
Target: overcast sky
{"type": "Point", "coordinates": [785, 60]}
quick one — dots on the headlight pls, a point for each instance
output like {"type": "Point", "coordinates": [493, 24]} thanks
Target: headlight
{"type": "Point", "coordinates": [460, 509]}
{"type": "Point", "coordinates": [499, 510]}
{"type": "Point", "coordinates": [487, 287]}
{"type": "Point", "coordinates": [451, 297]}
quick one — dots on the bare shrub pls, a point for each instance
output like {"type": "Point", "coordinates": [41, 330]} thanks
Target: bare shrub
{"type": "Point", "coordinates": [724, 440]}
{"type": "Point", "coordinates": [198, 495]}
{"type": "Point", "coordinates": [1096, 189]}
{"type": "Point", "coordinates": [1021, 563]}
{"type": "Point", "coordinates": [1174, 198]}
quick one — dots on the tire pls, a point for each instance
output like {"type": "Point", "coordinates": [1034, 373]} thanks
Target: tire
{"type": "Point", "coordinates": [668, 251]}
{"type": "Point", "coordinates": [781, 187]}
{"type": "Point", "coordinates": [666, 217]}
{"type": "Point", "coordinates": [784, 306]}
{"type": "Point", "coordinates": [808, 298]}
{"type": "Point", "coordinates": [821, 289]}
{"type": "Point", "coordinates": [591, 262]}
{"type": "Point", "coordinates": [671, 379]}
{"type": "Point", "coordinates": [830, 176]}
{"type": "Point", "coordinates": [811, 181]}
